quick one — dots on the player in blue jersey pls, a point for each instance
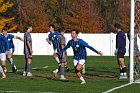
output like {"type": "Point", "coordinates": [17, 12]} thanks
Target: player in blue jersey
{"type": "Point", "coordinates": [4, 46]}
{"type": "Point", "coordinates": [120, 50]}
{"type": "Point", "coordinates": [53, 39]}
{"type": "Point", "coordinates": [79, 49]}
{"type": "Point", "coordinates": [9, 53]}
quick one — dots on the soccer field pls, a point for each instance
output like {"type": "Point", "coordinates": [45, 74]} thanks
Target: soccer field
{"type": "Point", "coordinates": [101, 75]}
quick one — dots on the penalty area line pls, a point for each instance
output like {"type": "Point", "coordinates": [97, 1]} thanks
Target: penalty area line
{"type": "Point", "coordinates": [110, 90]}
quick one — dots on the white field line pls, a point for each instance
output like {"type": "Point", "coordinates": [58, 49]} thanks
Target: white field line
{"type": "Point", "coordinates": [10, 91]}
{"type": "Point", "coordinates": [37, 68]}
{"type": "Point", "coordinates": [115, 88]}
{"type": "Point", "coordinates": [23, 91]}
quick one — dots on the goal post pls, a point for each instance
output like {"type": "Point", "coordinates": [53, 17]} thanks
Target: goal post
{"type": "Point", "coordinates": [132, 17]}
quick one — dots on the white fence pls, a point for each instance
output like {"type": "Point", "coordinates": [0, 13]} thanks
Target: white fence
{"type": "Point", "coordinates": [101, 42]}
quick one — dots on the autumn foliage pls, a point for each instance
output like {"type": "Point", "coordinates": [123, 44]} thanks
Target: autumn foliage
{"type": "Point", "coordinates": [6, 20]}
{"type": "Point", "coordinates": [88, 16]}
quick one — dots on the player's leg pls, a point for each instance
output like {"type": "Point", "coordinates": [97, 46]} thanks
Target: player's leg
{"type": "Point", "coordinates": [1, 69]}
{"type": "Point", "coordinates": [29, 60]}
{"type": "Point", "coordinates": [83, 70]}
{"type": "Point", "coordinates": [2, 72]}
{"type": "Point", "coordinates": [62, 71]}
{"type": "Point", "coordinates": [59, 64]}
{"type": "Point", "coordinates": [10, 60]}
{"type": "Point", "coordinates": [78, 67]}
{"type": "Point", "coordinates": [66, 66]}
{"type": "Point", "coordinates": [63, 62]}
{"type": "Point", "coordinates": [121, 62]}
{"type": "Point", "coordinates": [3, 61]}
{"type": "Point", "coordinates": [56, 57]}
{"type": "Point", "coordinates": [25, 66]}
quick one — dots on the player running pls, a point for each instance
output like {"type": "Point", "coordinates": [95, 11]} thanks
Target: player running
{"type": "Point", "coordinates": [9, 53]}
{"type": "Point", "coordinates": [79, 49]}
{"type": "Point", "coordinates": [53, 39]}
{"type": "Point", "coordinates": [4, 46]}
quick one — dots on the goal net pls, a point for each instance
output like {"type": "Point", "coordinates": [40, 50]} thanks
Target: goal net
{"type": "Point", "coordinates": [134, 42]}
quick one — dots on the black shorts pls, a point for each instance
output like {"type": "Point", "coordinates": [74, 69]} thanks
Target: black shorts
{"type": "Point", "coordinates": [120, 55]}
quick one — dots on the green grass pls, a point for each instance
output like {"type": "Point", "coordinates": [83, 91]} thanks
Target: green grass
{"type": "Point", "coordinates": [101, 75]}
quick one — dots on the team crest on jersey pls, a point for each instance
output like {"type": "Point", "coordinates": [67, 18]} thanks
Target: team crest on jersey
{"type": "Point", "coordinates": [9, 39]}
{"type": "Point", "coordinates": [54, 35]}
{"type": "Point", "coordinates": [77, 45]}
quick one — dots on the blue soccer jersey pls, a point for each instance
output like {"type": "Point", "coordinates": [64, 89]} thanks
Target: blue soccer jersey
{"type": "Point", "coordinates": [4, 45]}
{"type": "Point", "coordinates": [10, 40]}
{"type": "Point", "coordinates": [54, 38]}
{"type": "Point", "coordinates": [79, 49]}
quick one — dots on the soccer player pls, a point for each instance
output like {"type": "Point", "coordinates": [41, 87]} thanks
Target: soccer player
{"type": "Point", "coordinates": [136, 48]}
{"type": "Point", "coordinates": [28, 51]}
{"type": "Point", "coordinates": [4, 46]}
{"type": "Point", "coordinates": [79, 49]}
{"type": "Point", "coordinates": [120, 50]}
{"type": "Point", "coordinates": [53, 39]}
{"type": "Point", "coordinates": [10, 38]}
{"type": "Point", "coordinates": [63, 57]}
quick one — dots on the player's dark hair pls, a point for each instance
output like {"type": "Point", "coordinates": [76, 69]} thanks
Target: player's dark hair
{"type": "Point", "coordinates": [52, 25]}
{"type": "Point", "coordinates": [61, 30]}
{"type": "Point", "coordinates": [4, 29]}
{"type": "Point", "coordinates": [117, 25]}
{"type": "Point", "coordinates": [77, 32]}
{"type": "Point", "coordinates": [27, 27]}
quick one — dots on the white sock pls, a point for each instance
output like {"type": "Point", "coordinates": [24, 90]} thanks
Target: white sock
{"type": "Point", "coordinates": [121, 74]}
{"type": "Point", "coordinates": [57, 59]}
{"type": "Point", "coordinates": [1, 70]}
{"type": "Point", "coordinates": [11, 61]}
{"type": "Point", "coordinates": [83, 70]}
{"type": "Point", "coordinates": [125, 73]}
{"type": "Point", "coordinates": [82, 79]}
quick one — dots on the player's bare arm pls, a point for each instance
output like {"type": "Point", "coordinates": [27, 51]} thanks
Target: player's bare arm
{"type": "Point", "coordinates": [28, 43]}
{"type": "Point", "coordinates": [100, 53]}
{"type": "Point", "coordinates": [48, 41]}
{"type": "Point", "coordinates": [19, 38]}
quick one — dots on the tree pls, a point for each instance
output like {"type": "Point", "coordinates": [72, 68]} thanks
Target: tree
{"type": "Point", "coordinates": [6, 20]}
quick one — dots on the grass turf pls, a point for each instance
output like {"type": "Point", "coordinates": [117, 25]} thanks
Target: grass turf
{"type": "Point", "coordinates": [101, 75]}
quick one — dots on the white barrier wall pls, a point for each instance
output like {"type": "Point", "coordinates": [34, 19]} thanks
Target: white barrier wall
{"type": "Point", "coordinates": [101, 42]}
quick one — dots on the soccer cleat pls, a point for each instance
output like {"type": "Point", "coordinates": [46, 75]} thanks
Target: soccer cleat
{"type": "Point", "coordinates": [83, 82]}
{"type": "Point", "coordinates": [123, 77]}
{"type": "Point", "coordinates": [29, 74]}
{"type": "Point", "coordinates": [55, 72]}
{"type": "Point", "coordinates": [3, 77]}
{"type": "Point", "coordinates": [63, 78]}
{"type": "Point", "coordinates": [24, 74]}
{"type": "Point", "coordinates": [14, 69]}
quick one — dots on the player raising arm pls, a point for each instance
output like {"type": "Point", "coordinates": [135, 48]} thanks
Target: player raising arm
{"type": "Point", "coordinates": [9, 53]}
